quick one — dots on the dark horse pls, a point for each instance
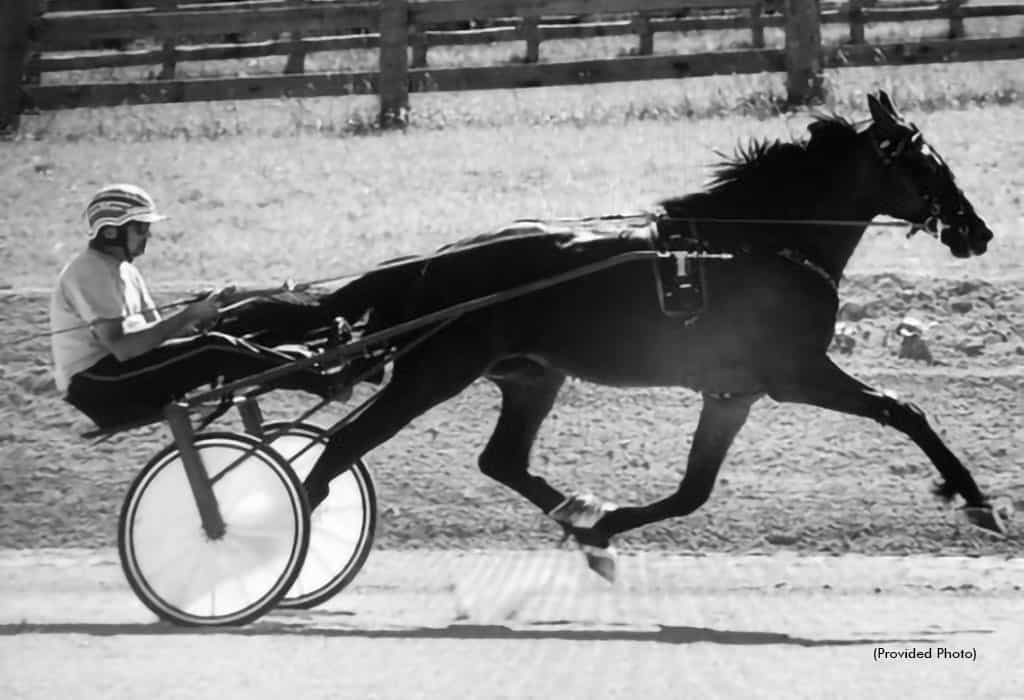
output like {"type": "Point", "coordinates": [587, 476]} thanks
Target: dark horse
{"type": "Point", "coordinates": [797, 211]}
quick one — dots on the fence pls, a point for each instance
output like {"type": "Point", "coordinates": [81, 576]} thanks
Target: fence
{"type": "Point", "coordinates": [33, 31]}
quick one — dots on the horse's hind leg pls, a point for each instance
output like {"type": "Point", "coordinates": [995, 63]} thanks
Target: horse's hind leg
{"type": "Point", "coordinates": [526, 399]}
{"type": "Point", "coordinates": [439, 370]}
{"type": "Point", "coordinates": [819, 382]}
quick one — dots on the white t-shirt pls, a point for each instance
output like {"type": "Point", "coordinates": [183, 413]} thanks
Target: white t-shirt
{"type": "Point", "coordinates": [93, 286]}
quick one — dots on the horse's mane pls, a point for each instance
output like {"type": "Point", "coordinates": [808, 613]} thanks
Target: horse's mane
{"type": "Point", "coordinates": [765, 166]}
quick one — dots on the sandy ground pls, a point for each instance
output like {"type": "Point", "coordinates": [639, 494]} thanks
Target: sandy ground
{"type": "Point", "coordinates": [514, 624]}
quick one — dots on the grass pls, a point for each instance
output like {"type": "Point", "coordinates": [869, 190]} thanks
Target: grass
{"type": "Point", "coordinates": [758, 96]}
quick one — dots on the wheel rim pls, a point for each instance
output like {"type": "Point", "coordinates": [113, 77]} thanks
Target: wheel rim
{"type": "Point", "coordinates": [192, 579]}
{"type": "Point", "coordinates": [339, 527]}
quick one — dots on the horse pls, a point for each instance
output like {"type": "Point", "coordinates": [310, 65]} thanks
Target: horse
{"type": "Point", "coordinates": [789, 213]}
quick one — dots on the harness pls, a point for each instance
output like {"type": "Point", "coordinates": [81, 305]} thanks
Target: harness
{"type": "Point", "coordinates": [679, 266]}
{"type": "Point", "coordinates": [682, 292]}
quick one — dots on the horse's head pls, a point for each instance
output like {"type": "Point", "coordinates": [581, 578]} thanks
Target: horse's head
{"type": "Point", "coordinates": [917, 185]}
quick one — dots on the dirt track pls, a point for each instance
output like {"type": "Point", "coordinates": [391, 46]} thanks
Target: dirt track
{"type": "Point", "coordinates": [536, 625]}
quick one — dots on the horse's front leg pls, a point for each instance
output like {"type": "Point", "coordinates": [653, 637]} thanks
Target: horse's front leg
{"type": "Point", "coordinates": [819, 382]}
{"type": "Point", "coordinates": [594, 524]}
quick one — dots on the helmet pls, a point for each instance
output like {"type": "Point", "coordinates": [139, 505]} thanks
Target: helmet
{"type": "Point", "coordinates": [115, 205]}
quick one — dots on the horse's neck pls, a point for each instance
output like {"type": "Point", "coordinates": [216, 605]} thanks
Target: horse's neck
{"type": "Point", "coordinates": [806, 224]}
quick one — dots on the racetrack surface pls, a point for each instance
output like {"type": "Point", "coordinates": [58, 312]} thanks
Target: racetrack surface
{"type": "Point", "coordinates": [514, 624]}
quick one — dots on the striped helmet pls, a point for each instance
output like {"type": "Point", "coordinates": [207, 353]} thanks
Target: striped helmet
{"type": "Point", "coordinates": [115, 205]}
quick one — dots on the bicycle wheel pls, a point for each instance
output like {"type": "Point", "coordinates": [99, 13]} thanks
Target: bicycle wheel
{"type": "Point", "coordinates": [186, 577]}
{"type": "Point", "coordinates": [343, 525]}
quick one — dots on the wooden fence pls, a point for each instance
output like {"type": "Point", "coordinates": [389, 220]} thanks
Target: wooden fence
{"type": "Point", "coordinates": [34, 32]}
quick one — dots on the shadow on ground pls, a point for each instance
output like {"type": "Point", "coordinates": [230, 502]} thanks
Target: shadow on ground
{"type": "Point", "coordinates": [663, 634]}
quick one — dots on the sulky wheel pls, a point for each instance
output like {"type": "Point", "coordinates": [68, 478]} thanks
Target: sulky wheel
{"type": "Point", "coordinates": [342, 526]}
{"type": "Point", "coordinates": [188, 578]}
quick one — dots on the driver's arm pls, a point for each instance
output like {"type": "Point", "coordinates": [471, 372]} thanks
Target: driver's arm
{"type": "Point", "coordinates": [125, 346]}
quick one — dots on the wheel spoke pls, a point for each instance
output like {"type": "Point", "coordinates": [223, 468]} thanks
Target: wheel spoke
{"type": "Point", "coordinates": [320, 565]}
{"type": "Point", "coordinates": [335, 537]}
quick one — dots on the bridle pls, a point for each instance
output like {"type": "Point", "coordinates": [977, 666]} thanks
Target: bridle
{"type": "Point", "coordinates": [889, 151]}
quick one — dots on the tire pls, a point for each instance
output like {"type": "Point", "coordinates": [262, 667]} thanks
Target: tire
{"type": "Point", "coordinates": [342, 527]}
{"type": "Point", "coordinates": [231, 580]}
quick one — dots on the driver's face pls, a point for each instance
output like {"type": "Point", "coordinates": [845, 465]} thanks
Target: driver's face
{"type": "Point", "coordinates": [136, 237]}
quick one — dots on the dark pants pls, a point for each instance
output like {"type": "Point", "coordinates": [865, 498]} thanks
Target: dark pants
{"type": "Point", "coordinates": [113, 393]}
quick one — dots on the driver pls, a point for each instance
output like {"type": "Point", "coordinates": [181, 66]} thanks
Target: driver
{"type": "Point", "coordinates": [114, 357]}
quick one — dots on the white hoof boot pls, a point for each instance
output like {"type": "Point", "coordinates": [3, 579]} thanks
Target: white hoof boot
{"type": "Point", "coordinates": [583, 513]}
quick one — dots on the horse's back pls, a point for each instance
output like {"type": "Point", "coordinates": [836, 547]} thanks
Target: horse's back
{"type": "Point", "coordinates": [519, 254]}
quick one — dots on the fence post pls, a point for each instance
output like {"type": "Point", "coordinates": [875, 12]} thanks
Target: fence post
{"type": "Point", "coordinates": [296, 62]}
{"type": "Point", "coordinates": [642, 27]}
{"type": "Point", "coordinates": [15, 20]}
{"type": "Point", "coordinates": [804, 78]}
{"type": "Point", "coordinates": [530, 27]}
{"type": "Point", "coordinates": [33, 73]}
{"type": "Point", "coordinates": [757, 25]}
{"type": "Point", "coordinates": [168, 58]}
{"type": "Point", "coordinates": [420, 45]}
{"type": "Point", "coordinates": [956, 19]}
{"type": "Point", "coordinates": [856, 21]}
{"type": "Point", "coordinates": [393, 80]}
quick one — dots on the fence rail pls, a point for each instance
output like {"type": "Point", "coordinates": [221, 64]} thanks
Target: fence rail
{"type": "Point", "coordinates": [424, 40]}
{"type": "Point", "coordinates": [34, 33]}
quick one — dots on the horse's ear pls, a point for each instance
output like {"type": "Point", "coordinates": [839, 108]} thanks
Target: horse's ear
{"type": "Point", "coordinates": [883, 96]}
{"type": "Point", "coordinates": [881, 110]}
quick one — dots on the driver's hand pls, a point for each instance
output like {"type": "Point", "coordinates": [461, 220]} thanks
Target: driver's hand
{"type": "Point", "coordinates": [204, 312]}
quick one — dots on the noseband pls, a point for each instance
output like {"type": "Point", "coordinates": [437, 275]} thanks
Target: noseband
{"type": "Point", "coordinates": [933, 226]}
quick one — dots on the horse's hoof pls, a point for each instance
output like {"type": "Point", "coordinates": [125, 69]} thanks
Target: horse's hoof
{"type": "Point", "coordinates": [579, 516]}
{"type": "Point", "coordinates": [601, 561]}
{"type": "Point", "coordinates": [987, 518]}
